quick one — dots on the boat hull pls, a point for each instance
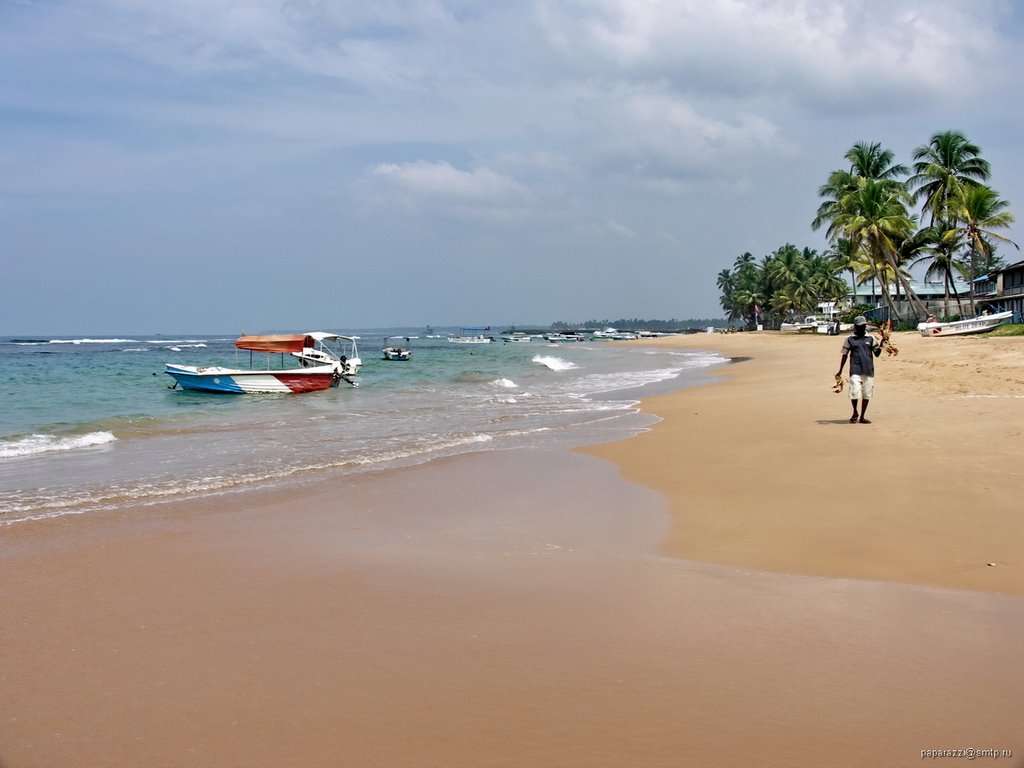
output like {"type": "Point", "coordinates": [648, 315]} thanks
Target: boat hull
{"type": "Point", "coordinates": [470, 339]}
{"type": "Point", "coordinates": [964, 327]}
{"type": "Point", "coordinates": [231, 381]}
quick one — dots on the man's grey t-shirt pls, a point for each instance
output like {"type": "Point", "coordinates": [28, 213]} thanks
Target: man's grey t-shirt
{"type": "Point", "coordinates": [862, 360]}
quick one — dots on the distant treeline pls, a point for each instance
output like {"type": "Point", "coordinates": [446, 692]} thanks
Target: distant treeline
{"type": "Point", "coordinates": [637, 324]}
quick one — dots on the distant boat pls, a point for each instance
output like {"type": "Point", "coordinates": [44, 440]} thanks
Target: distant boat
{"type": "Point", "coordinates": [978, 324]}
{"type": "Point", "coordinates": [515, 337]}
{"type": "Point", "coordinates": [561, 338]}
{"type": "Point", "coordinates": [477, 338]}
{"type": "Point", "coordinates": [321, 367]}
{"type": "Point", "coordinates": [613, 334]}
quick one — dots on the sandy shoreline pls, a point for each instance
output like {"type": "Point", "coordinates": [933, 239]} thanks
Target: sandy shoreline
{"type": "Point", "coordinates": [513, 609]}
{"type": "Point", "coordinates": [762, 470]}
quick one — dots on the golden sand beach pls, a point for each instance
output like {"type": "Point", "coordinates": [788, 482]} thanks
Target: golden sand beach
{"type": "Point", "coordinates": [770, 585]}
{"type": "Point", "coordinates": [930, 492]}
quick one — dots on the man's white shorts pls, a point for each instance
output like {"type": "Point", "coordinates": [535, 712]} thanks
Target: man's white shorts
{"type": "Point", "coordinates": [862, 387]}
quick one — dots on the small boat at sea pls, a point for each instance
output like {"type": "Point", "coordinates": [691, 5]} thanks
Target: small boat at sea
{"type": "Point", "coordinates": [475, 338]}
{"type": "Point", "coordinates": [516, 337]}
{"type": "Point", "coordinates": [320, 366]}
{"type": "Point", "coordinates": [978, 324]}
{"type": "Point", "coordinates": [396, 351]}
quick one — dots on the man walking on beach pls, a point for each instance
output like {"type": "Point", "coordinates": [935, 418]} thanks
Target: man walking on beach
{"type": "Point", "coordinates": [862, 351]}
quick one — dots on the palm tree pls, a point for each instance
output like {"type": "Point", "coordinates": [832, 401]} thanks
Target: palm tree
{"type": "Point", "coordinates": [876, 217]}
{"type": "Point", "coordinates": [867, 161]}
{"type": "Point", "coordinates": [839, 184]}
{"type": "Point", "coordinates": [825, 281]}
{"type": "Point", "coordinates": [844, 256]}
{"type": "Point", "coordinates": [942, 260]}
{"type": "Point", "coordinates": [747, 299]}
{"type": "Point", "coordinates": [870, 161]}
{"type": "Point", "coordinates": [979, 212]}
{"type": "Point", "coordinates": [943, 169]}
{"type": "Point", "coordinates": [727, 285]}
{"type": "Point", "coordinates": [867, 206]}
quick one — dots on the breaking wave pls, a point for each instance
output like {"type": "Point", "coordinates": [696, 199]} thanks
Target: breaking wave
{"type": "Point", "coordinates": [34, 444]}
{"type": "Point", "coordinates": [554, 363]}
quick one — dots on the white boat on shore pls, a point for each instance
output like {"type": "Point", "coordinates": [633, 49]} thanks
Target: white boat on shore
{"type": "Point", "coordinates": [978, 324]}
{"type": "Point", "coordinates": [808, 325]}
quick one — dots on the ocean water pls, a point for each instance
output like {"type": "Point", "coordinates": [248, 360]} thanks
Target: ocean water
{"type": "Point", "coordinates": [90, 424]}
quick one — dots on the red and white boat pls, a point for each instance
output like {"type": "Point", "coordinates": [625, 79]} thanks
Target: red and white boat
{"type": "Point", "coordinates": [320, 366]}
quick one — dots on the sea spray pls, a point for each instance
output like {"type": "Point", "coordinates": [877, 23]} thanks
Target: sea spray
{"type": "Point", "coordinates": [554, 363]}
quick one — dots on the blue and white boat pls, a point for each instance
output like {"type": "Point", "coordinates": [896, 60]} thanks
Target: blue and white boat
{"type": "Point", "coordinates": [320, 367]}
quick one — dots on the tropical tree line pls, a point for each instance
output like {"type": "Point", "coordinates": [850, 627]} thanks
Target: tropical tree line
{"type": "Point", "coordinates": [882, 218]}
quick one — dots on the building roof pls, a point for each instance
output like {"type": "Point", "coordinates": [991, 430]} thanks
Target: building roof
{"type": "Point", "coordinates": [920, 288]}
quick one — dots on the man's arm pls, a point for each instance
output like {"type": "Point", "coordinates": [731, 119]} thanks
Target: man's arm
{"type": "Point", "coordinates": [842, 363]}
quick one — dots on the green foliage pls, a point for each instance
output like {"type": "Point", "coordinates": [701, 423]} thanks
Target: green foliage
{"type": "Point", "coordinates": [1011, 329]}
{"type": "Point", "coordinates": [852, 312]}
{"type": "Point", "coordinates": [790, 281]}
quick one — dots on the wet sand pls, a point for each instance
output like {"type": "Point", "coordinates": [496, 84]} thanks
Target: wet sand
{"type": "Point", "coordinates": [496, 609]}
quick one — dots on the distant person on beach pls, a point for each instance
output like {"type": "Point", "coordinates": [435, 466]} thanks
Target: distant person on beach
{"type": "Point", "coordinates": [862, 351]}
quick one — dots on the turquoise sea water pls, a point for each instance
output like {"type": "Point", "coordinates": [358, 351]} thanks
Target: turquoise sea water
{"type": "Point", "coordinates": [92, 423]}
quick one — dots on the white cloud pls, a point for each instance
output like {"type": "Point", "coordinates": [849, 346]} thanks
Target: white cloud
{"type": "Point", "coordinates": [812, 50]}
{"type": "Point", "coordinates": [478, 192]}
{"type": "Point", "coordinates": [620, 229]}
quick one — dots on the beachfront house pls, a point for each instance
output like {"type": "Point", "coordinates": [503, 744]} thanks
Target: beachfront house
{"type": "Point", "coordinates": [932, 295]}
{"type": "Point", "coordinates": [1003, 290]}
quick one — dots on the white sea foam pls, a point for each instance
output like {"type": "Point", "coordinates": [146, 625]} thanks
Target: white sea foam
{"type": "Point", "coordinates": [612, 382]}
{"type": "Point", "coordinates": [505, 383]}
{"type": "Point", "coordinates": [184, 342]}
{"type": "Point", "coordinates": [94, 341]}
{"type": "Point", "coordinates": [33, 444]}
{"type": "Point", "coordinates": [554, 363]}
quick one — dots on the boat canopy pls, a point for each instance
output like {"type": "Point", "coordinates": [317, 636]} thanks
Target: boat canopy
{"type": "Point", "coordinates": [293, 342]}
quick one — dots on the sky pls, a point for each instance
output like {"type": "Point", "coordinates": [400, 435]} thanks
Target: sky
{"type": "Point", "coordinates": [214, 166]}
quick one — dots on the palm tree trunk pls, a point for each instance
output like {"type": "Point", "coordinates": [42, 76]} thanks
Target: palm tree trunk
{"type": "Point", "coordinates": [952, 284]}
{"type": "Point", "coordinates": [974, 274]}
{"type": "Point", "coordinates": [889, 305]}
{"type": "Point", "coordinates": [912, 297]}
